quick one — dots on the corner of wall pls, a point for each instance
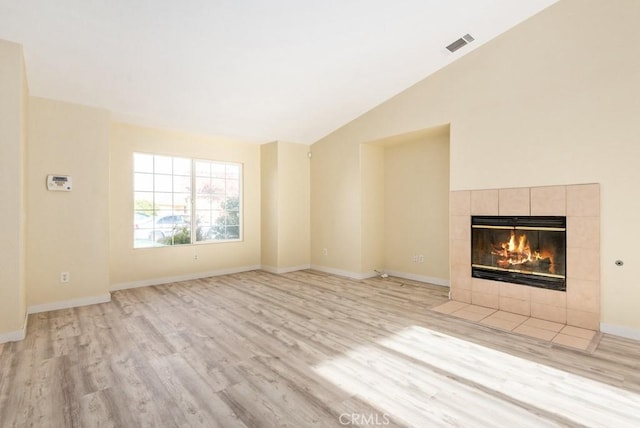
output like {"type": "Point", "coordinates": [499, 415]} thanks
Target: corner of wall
{"type": "Point", "coordinates": [13, 140]}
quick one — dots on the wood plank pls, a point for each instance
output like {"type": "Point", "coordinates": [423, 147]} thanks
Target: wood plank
{"type": "Point", "coordinates": [302, 349]}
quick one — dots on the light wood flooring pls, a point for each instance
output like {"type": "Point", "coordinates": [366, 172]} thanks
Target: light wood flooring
{"type": "Point", "coordinates": [302, 349]}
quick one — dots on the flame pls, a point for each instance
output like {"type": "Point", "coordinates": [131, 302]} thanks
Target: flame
{"type": "Point", "coordinates": [517, 251]}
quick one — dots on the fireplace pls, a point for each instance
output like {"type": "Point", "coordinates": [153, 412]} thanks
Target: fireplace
{"type": "Point", "coordinates": [521, 250]}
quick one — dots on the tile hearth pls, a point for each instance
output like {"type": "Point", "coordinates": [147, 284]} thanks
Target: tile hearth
{"type": "Point", "coordinates": [561, 334]}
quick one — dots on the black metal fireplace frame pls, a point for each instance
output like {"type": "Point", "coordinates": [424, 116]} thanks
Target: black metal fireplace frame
{"type": "Point", "coordinates": [515, 222]}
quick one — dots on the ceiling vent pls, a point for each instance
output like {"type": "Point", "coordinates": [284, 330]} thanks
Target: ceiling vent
{"type": "Point", "coordinates": [462, 41]}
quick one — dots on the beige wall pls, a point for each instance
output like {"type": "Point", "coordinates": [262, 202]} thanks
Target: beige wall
{"type": "Point", "coordinates": [372, 168]}
{"type": "Point", "coordinates": [336, 206]}
{"type": "Point", "coordinates": [68, 231]}
{"type": "Point", "coordinates": [416, 185]}
{"type": "Point", "coordinates": [13, 143]}
{"type": "Point", "coordinates": [359, 192]}
{"type": "Point", "coordinates": [293, 205]}
{"type": "Point", "coordinates": [133, 267]}
{"type": "Point", "coordinates": [550, 102]}
{"type": "Point", "coordinates": [285, 206]}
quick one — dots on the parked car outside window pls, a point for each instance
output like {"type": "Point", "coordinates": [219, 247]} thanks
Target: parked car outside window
{"type": "Point", "coordinates": [156, 228]}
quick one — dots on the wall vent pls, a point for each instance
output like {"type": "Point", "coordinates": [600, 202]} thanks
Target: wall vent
{"type": "Point", "coordinates": [462, 41]}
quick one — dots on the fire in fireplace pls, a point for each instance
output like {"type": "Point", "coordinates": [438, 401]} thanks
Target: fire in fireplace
{"type": "Point", "coordinates": [522, 250]}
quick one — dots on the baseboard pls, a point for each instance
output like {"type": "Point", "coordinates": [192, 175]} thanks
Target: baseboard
{"type": "Point", "coordinates": [339, 272]}
{"type": "Point", "coordinates": [354, 275]}
{"type": "Point", "coordinates": [272, 269]}
{"type": "Point", "coordinates": [620, 330]}
{"type": "Point", "coordinates": [178, 278]}
{"type": "Point", "coordinates": [18, 335]}
{"type": "Point", "coordinates": [420, 278]}
{"type": "Point", "coordinates": [66, 304]}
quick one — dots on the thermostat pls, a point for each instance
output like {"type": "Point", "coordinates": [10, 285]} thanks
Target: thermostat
{"type": "Point", "coordinates": [61, 183]}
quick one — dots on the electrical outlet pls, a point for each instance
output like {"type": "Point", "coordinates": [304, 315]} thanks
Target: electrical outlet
{"type": "Point", "coordinates": [195, 257]}
{"type": "Point", "coordinates": [414, 258]}
{"type": "Point", "coordinates": [420, 258]}
{"type": "Point", "coordinates": [325, 252]}
{"type": "Point", "coordinates": [64, 277]}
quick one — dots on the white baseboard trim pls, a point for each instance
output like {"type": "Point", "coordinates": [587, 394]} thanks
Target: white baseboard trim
{"type": "Point", "coordinates": [411, 276]}
{"type": "Point", "coordinates": [178, 278]}
{"type": "Point", "coordinates": [66, 304]}
{"type": "Point", "coordinates": [420, 278]}
{"type": "Point", "coordinates": [18, 335]}
{"type": "Point", "coordinates": [339, 272]}
{"type": "Point", "coordinates": [620, 330]}
{"type": "Point", "coordinates": [278, 271]}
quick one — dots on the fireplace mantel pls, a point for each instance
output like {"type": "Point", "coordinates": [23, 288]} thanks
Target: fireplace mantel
{"type": "Point", "coordinates": [580, 204]}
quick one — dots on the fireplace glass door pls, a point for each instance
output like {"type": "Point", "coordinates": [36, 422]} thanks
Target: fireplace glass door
{"type": "Point", "coordinates": [521, 250]}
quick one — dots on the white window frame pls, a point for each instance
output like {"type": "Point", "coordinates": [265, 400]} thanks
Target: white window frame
{"type": "Point", "coordinates": [194, 205]}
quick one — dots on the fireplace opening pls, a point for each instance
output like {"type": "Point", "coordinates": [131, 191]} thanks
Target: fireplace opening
{"type": "Point", "coordinates": [521, 250]}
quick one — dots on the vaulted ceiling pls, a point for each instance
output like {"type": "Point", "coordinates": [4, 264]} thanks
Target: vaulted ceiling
{"type": "Point", "coordinates": [254, 70]}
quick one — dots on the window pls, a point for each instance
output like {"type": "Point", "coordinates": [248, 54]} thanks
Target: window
{"type": "Point", "coordinates": [181, 201]}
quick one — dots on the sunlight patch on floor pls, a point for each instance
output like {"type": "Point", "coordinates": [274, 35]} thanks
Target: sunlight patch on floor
{"type": "Point", "coordinates": [419, 376]}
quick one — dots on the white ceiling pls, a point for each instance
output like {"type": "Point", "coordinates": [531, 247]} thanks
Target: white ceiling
{"type": "Point", "coordinates": [256, 70]}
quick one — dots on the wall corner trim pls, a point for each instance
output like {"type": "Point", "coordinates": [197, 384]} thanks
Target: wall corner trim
{"type": "Point", "coordinates": [278, 271]}
{"type": "Point", "coordinates": [340, 272]}
{"type": "Point", "coordinates": [420, 278]}
{"type": "Point", "coordinates": [18, 335]}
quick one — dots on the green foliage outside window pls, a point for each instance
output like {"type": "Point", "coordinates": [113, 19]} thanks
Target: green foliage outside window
{"type": "Point", "coordinates": [146, 206]}
{"type": "Point", "coordinates": [227, 226]}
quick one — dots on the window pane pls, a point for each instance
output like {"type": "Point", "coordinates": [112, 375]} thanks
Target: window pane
{"type": "Point", "coordinates": [219, 170]}
{"type": "Point", "coordinates": [163, 183]}
{"type": "Point", "coordinates": [142, 219]}
{"type": "Point", "coordinates": [143, 181]}
{"type": "Point", "coordinates": [233, 171]}
{"type": "Point", "coordinates": [232, 219]}
{"type": "Point", "coordinates": [218, 185]}
{"type": "Point", "coordinates": [181, 184]}
{"type": "Point", "coordinates": [203, 186]}
{"type": "Point", "coordinates": [225, 232]}
{"type": "Point", "coordinates": [162, 164]}
{"type": "Point", "coordinates": [143, 200]}
{"type": "Point", "coordinates": [203, 217]}
{"type": "Point", "coordinates": [233, 232]}
{"type": "Point", "coordinates": [203, 224]}
{"type": "Point", "coordinates": [215, 215]}
{"type": "Point", "coordinates": [221, 219]}
{"type": "Point", "coordinates": [203, 169]}
{"type": "Point", "coordinates": [142, 229]}
{"type": "Point", "coordinates": [233, 187]}
{"type": "Point", "coordinates": [217, 202]}
{"type": "Point", "coordinates": [202, 233]}
{"type": "Point", "coordinates": [164, 201]}
{"type": "Point", "coordinates": [181, 235]}
{"type": "Point", "coordinates": [232, 203]}
{"type": "Point", "coordinates": [182, 166]}
{"type": "Point", "coordinates": [142, 162]}
{"type": "Point", "coordinates": [182, 202]}
{"type": "Point", "coordinates": [203, 203]}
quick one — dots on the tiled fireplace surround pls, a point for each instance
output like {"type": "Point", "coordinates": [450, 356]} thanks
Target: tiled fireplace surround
{"type": "Point", "coordinates": [580, 304]}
